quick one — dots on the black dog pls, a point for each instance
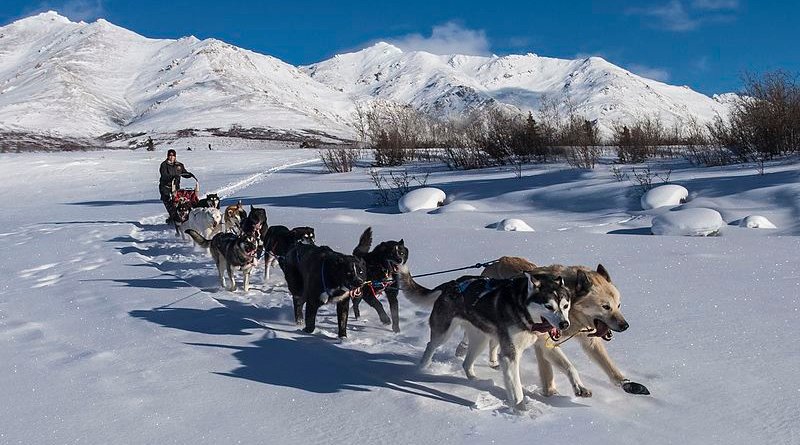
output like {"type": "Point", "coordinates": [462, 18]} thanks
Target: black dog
{"type": "Point", "coordinates": [279, 239]}
{"type": "Point", "coordinates": [382, 265]}
{"type": "Point", "coordinates": [255, 225]}
{"type": "Point", "coordinates": [211, 200]}
{"type": "Point", "coordinates": [317, 275]}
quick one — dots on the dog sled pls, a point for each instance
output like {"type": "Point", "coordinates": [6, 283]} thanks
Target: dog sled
{"type": "Point", "coordinates": [190, 195]}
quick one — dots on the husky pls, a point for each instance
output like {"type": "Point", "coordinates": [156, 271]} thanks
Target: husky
{"type": "Point", "coordinates": [230, 251]}
{"type": "Point", "coordinates": [316, 275]}
{"type": "Point", "coordinates": [207, 221]}
{"type": "Point", "coordinates": [279, 239]}
{"type": "Point", "coordinates": [595, 314]}
{"type": "Point", "coordinates": [511, 312]}
{"type": "Point", "coordinates": [234, 215]}
{"type": "Point", "coordinates": [382, 264]}
{"type": "Point", "coordinates": [211, 200]}
{"type": "Point", "coordinates": [255, 225]}
{"type": "Point", "coordinates": [182, 210]}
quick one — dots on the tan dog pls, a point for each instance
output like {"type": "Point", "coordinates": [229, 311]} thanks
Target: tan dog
{"type": "Point", "coordinates": [234, 215]}
{"type": "Point", "coordinates": [593, 316]}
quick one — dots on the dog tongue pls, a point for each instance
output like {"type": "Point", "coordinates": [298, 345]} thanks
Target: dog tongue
{"type": "Point", "coordinates": [554, 333]}
{"type": "Point", "coordinates": [601, 330]}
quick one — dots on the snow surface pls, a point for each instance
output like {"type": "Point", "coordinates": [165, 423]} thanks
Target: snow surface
{"type": "Point", "coordinates": [756, 222]}
{"type": "Point", "coordinates": [114, 331]}
{"type": "Point", "coordinates": [689, 222]}
{"type": "Point", "coordinates": [664, 195]}
{"type": "Point", "coordinates": [424, 198]}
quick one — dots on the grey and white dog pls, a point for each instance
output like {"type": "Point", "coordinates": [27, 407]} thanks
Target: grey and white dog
{"type": "Point", "coordinates": [230, 252]}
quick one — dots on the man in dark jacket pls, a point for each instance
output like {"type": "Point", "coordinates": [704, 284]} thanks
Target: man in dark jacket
{"type": "Point", "coordinates": [171, 171]}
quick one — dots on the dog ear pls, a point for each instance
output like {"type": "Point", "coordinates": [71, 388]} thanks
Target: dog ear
{"type": "Point", "coordinates": [560, 281]}
{"type": "Point", "coordinates": [602, 271]}
{"type": "Point", "coordinates": [583, 285]}
{"type": "Point", "coordinates": [402, 242]}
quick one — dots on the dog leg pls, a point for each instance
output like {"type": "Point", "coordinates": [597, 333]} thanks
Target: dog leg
{"type": "Point", "coordinates": [376, 304]}
{"type": "Point", "coordinates": [246, 274]}
{"type": "Point", "coordinates": [311, 314]}
{"type": "Point", "coordinates": [509, 365]}
{"type": "Point", "coordinates": [477, 343]}
{"type": "Point", "coordinates": [394, 308]}
{"type": "Point", "coordinates": [494, 350]}
{"type": "Point", "coordinates": [545, 370]}
{"type": "Point", "coordinates": [232, 278]}
{"type": "Point", "coordinates": [298, 310]}
{"type": "Point", "coordinates": [556, 356]}
{"type": "Point", "coordinates": [268, 265]}
{"type": "Point", "coordinates": [461, 349]}
{"type": "Point", "coordinates": [342, 311]}
{"type": "Point", "coordinates": [595, 349]}
{"type": "Point", "coordinates": [440, 332]}
{"type": "Point", "coordinates": [221, 272]}
{"type": "Point", "coordinates": [356, 310]}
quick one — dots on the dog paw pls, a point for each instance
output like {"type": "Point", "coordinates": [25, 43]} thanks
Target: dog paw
{"type": "Point", "coordinates": [521, 407]}
{"type": "Point", "coordinates": [396, 329]}
{"type": "Point", "coordinates": [494, 365]}
{"type": "Point", "coordinates": [386, 320]}
{"type": "Point", "coordinates": [308, 330]}
{"type": "Point", "coordinates": [581, 391]}
{"type": "Point", "coordinates": [549, 392]}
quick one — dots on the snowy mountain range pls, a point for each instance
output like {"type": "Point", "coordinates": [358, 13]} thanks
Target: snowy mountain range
{"type": "Point", "coordinates": [61, 78]}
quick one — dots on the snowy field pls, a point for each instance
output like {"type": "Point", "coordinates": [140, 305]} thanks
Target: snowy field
{"type": "Point", "coordinates": [114, 331]}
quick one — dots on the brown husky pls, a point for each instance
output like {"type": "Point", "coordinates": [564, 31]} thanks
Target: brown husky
{"type": "Point", "coordinates": [593, 316]}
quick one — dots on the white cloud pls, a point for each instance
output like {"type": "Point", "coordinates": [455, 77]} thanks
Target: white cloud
{"type": "Point", "coordinates": [672, 16]}
{"type": "Point", "coordinates": [448, 38]}
{"type": "Point", "coordinates": [715, 5]}
{"type": "Point", "coordinates": [659, 74]}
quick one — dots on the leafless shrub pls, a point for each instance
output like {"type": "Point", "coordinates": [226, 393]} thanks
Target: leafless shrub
{"type": "Point", "coordinates": [639, 140]}
{"type": "Point", "coordinates": [764, 120]}
{"type": "Point", "coordinates": [392, 186]}
{"type": "Point", "coordinates": [645, 178]}
{"type": "Point", "coordinates": [339, 159]}
{"type": "Point", "coordinates": [582, 141]}
{"type": "Point", "coordinates": [618, 173]}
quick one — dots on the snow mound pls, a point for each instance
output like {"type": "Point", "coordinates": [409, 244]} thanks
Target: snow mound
{"type": "Point", "coordinates": [421, 199]}
{"type": "Point", "coordinates": [513, 225]}
{"type": "Point", "coordinates": [756, 222]}
{"type": "Point", "coordinates": [689, 222]}
{"type": "Point", "coordinates": [455, 207]}
{"type": "Point", "coordinates": [664, 195]}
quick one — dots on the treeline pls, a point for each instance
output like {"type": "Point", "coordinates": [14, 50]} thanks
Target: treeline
{"type": "Point", "coordinates": [763, 122]}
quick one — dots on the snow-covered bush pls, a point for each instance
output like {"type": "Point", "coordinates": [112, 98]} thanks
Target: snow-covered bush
{"type": "Point", "coordinates": [664, 195]}
{"type": "Point", "coordinates": [420, 199]}
{"type": "Point", "coordinates": [688, 222]}
{"type": "Point", "coordinates": [455, 207]}
{"type": "Point", "coordinates": [756, 222]}
{"type": "Point", "coordinates": [513, 225]}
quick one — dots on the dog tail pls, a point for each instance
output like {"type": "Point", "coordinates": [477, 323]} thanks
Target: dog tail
{"type": "Point", "coordinates": [364, 243]}
{"type": "Point", "coordinates": [415, 292]}
{"type": "Point", "coordinates": [198, 238]}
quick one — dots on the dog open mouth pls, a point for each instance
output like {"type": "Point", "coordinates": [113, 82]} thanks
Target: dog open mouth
{"type": "Point", "coordinates": [545, 326]}
{"type": "Point", "coordinates": [601, 330]}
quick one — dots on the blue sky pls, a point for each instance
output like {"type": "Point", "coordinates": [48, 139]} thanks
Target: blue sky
{"type": "Point", "coordinates": [706, 44]}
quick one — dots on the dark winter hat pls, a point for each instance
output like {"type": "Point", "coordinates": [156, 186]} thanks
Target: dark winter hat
{"type": "Point", "coordinates": [171, 152]}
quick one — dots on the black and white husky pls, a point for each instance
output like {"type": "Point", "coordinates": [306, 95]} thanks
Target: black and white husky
{"type": "Point", "coordinates": [230, 252]}
{"type": "Point", "coordinates": [509, 312]}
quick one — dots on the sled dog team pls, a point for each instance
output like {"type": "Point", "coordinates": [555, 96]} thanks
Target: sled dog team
{"type": "Point", "coordinates": [513, 305]}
